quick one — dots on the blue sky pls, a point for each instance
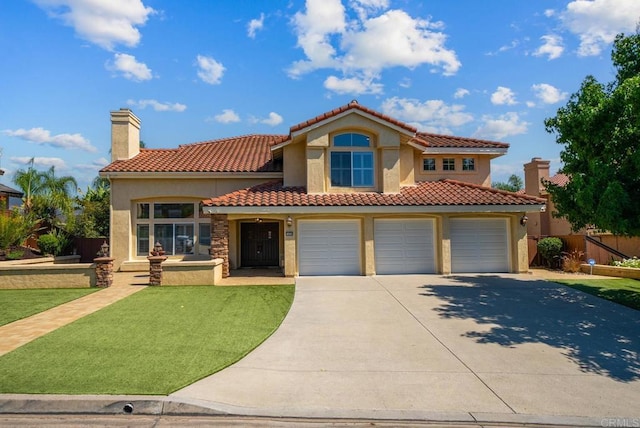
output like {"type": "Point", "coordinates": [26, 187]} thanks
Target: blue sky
{"type": "Point", "coordinates": [198, 70]}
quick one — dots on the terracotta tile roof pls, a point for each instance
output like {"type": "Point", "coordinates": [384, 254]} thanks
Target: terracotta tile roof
{"type": "Point", "coordinates": [435, 140]}
{"type": "Point", "coordinates": [353, 105]}
{"type": "Point", "coordinates": [249, 153]}
{"type": "Point", "coordinates": [559, 179]}
{"type": "Point", "coordinates": [427, 193]}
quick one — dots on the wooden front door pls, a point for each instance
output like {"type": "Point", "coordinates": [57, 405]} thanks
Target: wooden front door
{"type": "Point", "coordinates": [259, 244]}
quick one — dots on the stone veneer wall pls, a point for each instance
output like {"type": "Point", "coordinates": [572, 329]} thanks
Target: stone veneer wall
{"type": "Point", "coordinates": [220, 241]}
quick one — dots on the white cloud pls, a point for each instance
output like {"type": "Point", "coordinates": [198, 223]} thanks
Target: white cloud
{"type": "Point", "coordinates": [596, 22]}
{"type": "Point", "coordinates": [274, 119]}
{"type": "Point", "coordinates": [548, 94]}
{"type": "Point", "coordinates": [549, 13]}
{"type": "Point", "coordinates": [227, 116]}
{"type": "Point", "coordinates": [431, 115]}
{"type": "Point", "coordinates": [209, 70]}
{"type": "Point", "coordinates": [502, 96]}
{"type": "Point", "coordinates": [552, 47]}
{"type": "Point", "coordinates": [157, 105]}
{"type": "Point", "coordinates": [255, 25]}
{"type": "Point", "coordinates": [366, 7]}
{"type": "Point", "coordinates": [43, 136]}
{"type": "Point", "coordinates": [40, 161]}
{"type": "Point", "coordinates": [461, 93]}
{"type": "Point", "coordinates": [368, 44]}
{"type": "Point", "coordinates": [130, 68]}
{"type": "Point", "coordinates": [104, 22]}
{"type": "Point", "coordinates": [503, 126]}
{"type": "Point", "coordinates": [352, 85]}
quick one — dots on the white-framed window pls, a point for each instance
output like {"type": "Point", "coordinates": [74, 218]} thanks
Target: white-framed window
{"type": "Point", "coordinates": [352, 161]}
{"type": "Point", "coordinates": [468, 164]}
{"type": "Point", "coordinates": [429, 164]}
{"type": "Point", "coordinates": [174, 226]}
{"type": "Point", "coordinates": [448, 164]}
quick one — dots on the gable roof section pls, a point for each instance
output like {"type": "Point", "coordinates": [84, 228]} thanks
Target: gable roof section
{"type": "Point", "coordinates": [249, 153]}
{"type": "Point", "coordinates": [353, 105]}
{"type": "Point", "coordinates": [444, 193]}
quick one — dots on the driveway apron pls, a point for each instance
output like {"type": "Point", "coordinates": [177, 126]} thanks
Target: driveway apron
{"type": "Point", "coordinates": [405, 345]}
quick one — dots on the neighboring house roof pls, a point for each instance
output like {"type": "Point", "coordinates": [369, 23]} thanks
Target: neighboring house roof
{"type": "Point", "coordinates": [353, 105]}
{"type": "Point", "coordinates": [559, 179]}
{"type": "Point", "coordinates": [427, 193]}
{"type": "Point", "coordinates": [8, 191]}
{"type": "Point", "coordinates": [248, 153]}
{"type": "Point", "coordinates": [448, 141]}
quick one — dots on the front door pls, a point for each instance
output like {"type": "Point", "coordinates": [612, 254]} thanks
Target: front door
{"type": "Point", "coordinates": [259, 245]}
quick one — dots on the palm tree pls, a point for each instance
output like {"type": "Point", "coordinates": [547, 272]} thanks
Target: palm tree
{"type": "Point", "coordinates": [46, 195]}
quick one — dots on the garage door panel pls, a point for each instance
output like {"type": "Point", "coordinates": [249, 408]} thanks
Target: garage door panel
{"type": "Point", "coordinates": [329, 247]}
{"type": "Point", "coordinates": [404, 246]}
{"type": "Point", "coordinates": [479, 245]}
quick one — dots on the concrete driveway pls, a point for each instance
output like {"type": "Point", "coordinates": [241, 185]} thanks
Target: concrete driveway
{"type": "Point", "coordinates": [496, 348]}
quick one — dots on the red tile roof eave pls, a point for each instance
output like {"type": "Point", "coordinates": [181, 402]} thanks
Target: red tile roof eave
{"type": "Point", "coordinates": [274, 195]}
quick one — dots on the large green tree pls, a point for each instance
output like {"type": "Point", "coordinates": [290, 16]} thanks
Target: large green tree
{"type": "Point", "coordinates": [599, 128]}
{"type": "Point", "coordinates": [92, 219]}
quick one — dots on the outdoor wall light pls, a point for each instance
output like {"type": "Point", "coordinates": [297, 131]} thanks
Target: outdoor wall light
{"type": "Point", "coordinates": [523, 220]}
{"type": "Point", "coordinates": [258, 220]}
{"type": "Point", "coordinates": [289, 221]}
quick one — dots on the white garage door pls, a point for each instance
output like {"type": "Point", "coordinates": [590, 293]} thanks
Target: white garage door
{"type": "Point", "coordinates": [479, 245]}
{"type": "Point", "coordinates": [404, 246]}
{"type": "Point", "coordinates": [329, 247]}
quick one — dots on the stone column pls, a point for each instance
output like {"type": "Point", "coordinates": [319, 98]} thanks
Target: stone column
{"type": "Point", "coordinates": [104, 267]}
{"type": "Point", "coordinates": [220, 241]}
{"type": "Point", "coordinates": [155, 264]}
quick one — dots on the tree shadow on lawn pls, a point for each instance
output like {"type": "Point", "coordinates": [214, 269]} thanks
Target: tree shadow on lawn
{"type": "Point", "coordinates": [600, 336]}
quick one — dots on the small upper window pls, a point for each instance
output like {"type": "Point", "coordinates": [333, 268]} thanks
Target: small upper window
{"type": "Point", "coordinates": [173, 210]}
{"type": "Point", "coordinates": [448, 164]}
{"type": "Point", "coordinates": [429, 164]}
{"type": "Point", "coordinates": [468, 164]}
{"type": "Point", "coordinates": [351, 140]}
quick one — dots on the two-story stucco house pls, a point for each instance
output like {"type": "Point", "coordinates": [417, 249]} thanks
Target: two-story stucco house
{"type": "Point", "coordinates": [349, 192]}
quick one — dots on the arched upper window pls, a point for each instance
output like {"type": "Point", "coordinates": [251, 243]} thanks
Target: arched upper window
{"type": "Point", "coordinates": [352, 168]}
{"type": "Point", "coordinates": [351, 140]}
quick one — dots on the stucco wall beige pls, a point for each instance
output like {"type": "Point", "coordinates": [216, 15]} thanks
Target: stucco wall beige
{"type": "Point", "coordinates": [295, 164]}
{"type": "Point", "coordinates": [390, 160]}
{"type": "Point", "coordinates": [126, 193]}
{"type": "Point", "coordinates": [481, 175]}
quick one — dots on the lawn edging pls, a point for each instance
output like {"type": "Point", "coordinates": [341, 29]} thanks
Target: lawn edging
{"type": "Point", "coordinates": [606, 270]}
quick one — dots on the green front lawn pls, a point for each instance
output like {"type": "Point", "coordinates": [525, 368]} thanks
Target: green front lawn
{"type": "Point", "coordinates": [624, 291]}
{"type": "Point", "coordinates": [18, 304]}
{"type": "Point", "coordinates": [153, 342]}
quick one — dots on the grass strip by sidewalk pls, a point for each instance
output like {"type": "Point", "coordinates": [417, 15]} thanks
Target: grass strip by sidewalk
{"type": "Point", "coordinates": [153, 342]}
{"type": "Point", "coordinates": [624, 291]}
{"type": "Point", "coordinates": [19, 304]}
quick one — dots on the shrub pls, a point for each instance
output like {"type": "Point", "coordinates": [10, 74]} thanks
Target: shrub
{"type": "Point", "coordinates": [631, 263]}
{"type": "Point", "coordinates": [550, 250]}
{"type": "Point", "coordinates": [14, 229]}
{"type": "Point", "coordinates": [49, 244]}
{"type": "Point", "coordinates": [571, 261]}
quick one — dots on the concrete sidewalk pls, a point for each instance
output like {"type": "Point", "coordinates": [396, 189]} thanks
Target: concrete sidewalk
{"type": "Point", "coordinates": [507, 348]}
{"type": "Point", "coordinates": [25, 330]}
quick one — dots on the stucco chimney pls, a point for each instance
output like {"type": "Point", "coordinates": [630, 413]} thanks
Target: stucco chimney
{"type": "Point", "coordinates": [535, 171]}
{"type": "Point", "coordinates": [125, 134]}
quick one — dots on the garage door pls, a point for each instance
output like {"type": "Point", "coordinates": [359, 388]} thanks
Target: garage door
{"type": "Point", "coordinates": [404, 246]}
{"type": "Point", "coordinates": [329, 247]}
{"type": "Point", "coordinates": [479, 245]}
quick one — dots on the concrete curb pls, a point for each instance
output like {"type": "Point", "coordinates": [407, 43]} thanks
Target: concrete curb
{"type": "Point", "coordinates": [27, 404]}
